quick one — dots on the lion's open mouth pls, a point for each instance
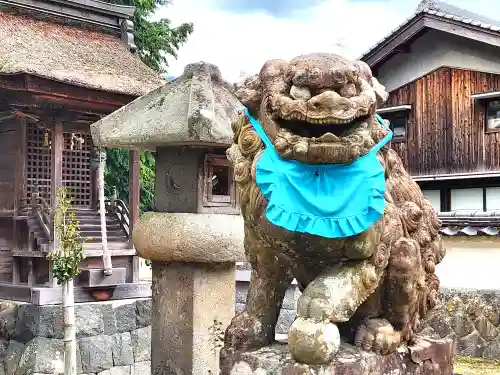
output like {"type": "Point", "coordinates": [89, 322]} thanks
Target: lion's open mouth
{"type": "Point", "coordinates": [327, 142]}
{"type": "Point", "coordinates": [325, 132]}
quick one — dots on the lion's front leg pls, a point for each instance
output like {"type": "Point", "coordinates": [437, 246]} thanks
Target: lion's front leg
{"type": "Point", "coordinates": [255, 326]}
{"type": "Point", "coordinates": [331, 298]}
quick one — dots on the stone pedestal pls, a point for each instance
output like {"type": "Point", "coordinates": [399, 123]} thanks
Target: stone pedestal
{"type": "Point", "coordinates": [193, 303]}
{"type": "Point", "coordinates": [426, 357]}
{"type": "Point", "coordinates": [193, 291]}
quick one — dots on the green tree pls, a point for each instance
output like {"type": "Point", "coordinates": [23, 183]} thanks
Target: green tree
{"type": "Point", "coordinates": [117, 172]}
{"type": "Point", "coordinates": [155, 40]}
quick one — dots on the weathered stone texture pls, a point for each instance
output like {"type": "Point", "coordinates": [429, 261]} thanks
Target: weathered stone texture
{"type": "Point", "coordinates": [186, 237]}
{"type": "Point", "coordinates": [141, 344]}
{"type": "Point", "coordinates": [13, 355]}
{"type": "Point", "coordinates": [196, 107]}
{"type": "Point", "coordinates": [126, 315]}
{"type": "Point", "coordinates": [43, 355]}
{"type": "Point", "coordinates": [288, 309]}
{"type": "Point", "coordinates": [122, 349]}
{"type": "Point", "coordinates": [427, 357]}
{"type": "Point", "coordinates": [471, 317]}
{"type": "Point", "coordinates": [144, 312]}
{"type": "Point", "coordinates": [141, 368]}
{"type": "Point", "coordinates": [109, 337]}
{"type": "Point", "coordinates": [96, 353]}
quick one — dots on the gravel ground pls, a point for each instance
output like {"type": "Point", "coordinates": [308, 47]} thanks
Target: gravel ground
{"type": "Point", "coordinates": [476, 366]}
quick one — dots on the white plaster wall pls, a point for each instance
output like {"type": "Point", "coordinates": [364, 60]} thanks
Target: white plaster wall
{"type": "Point", "coordinates": [436, 49]}
{"type": "Point", "coordinates": [472, 263]}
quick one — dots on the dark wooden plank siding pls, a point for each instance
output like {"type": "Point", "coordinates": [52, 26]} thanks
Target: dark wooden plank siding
{"type": "Point", "coordinates": [8, 150]}
{"type": "Point", "coordinates": [446, 127]}
{"type": "Point", "coordinates": [6, 239]}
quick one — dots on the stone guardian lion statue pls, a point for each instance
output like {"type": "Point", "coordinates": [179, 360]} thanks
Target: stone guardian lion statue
{"type": "Point", "coordinates": [367, 278]}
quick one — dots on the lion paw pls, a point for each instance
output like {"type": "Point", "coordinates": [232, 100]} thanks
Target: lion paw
{"type": "Point", "coordinates": [379, 336]}
{"type": "Point", "coordinates": [313, 342]}
{"type": "Point", "coordinates": [316, 306]}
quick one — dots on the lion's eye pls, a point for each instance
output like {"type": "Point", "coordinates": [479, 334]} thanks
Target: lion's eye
{"type": "Point", "coordinates": [315, 74]}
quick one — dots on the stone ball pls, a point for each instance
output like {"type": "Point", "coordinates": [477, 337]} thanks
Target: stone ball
{"type": "Point", "coordinates": [313, 342]}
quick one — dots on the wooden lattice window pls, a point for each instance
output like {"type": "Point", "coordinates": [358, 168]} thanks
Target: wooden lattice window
{"type": "Point", "coordinates": [38, 163]}
{"type": "Point", "coordinates": [219, 188]}
{"type": "Point", "coordinates": [76, 167]}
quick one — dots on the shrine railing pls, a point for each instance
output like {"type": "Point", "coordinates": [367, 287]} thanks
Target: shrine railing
{"type": "Point", "coordinates": [42, 212]}
{"type": "Point", "coordinates": [118, 208]}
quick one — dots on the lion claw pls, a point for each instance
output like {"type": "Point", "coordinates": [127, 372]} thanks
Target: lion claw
{"type": "Point", "coordinates": [379, 336]}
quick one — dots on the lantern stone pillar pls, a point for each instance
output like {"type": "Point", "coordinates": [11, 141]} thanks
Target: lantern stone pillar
{"type": "Point", "coordinates": [194, 259]}
{"type": "Point", "coordinates": [195, 236]}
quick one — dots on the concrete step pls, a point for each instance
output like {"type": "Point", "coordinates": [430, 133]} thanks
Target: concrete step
{"type": "Point", "coordinates": [97, 233]}
{"type": "Point", "coordinates": [115, 245]}
{"type": "Point", "coordinates": [97, 220]}
{"type": "Point", "coordinates": [87, 213]}
{"type": "Point", "coordinates": [122, 238]}
{"type": "Point", "coordinates": [90, 227]}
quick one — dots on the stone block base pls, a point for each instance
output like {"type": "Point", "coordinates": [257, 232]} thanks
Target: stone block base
{"type": "Point", "coordinates": [426, 357]}
{"type": "Point", "coordinates": [113, 338]}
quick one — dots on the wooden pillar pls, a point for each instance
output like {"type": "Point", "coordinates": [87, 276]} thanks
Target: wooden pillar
{"type": "Point", "coordinates": [134, 201]}
{"type": "Point", "coordinates": [56, 160]}
{"type": "Point", "coordinates": [19, 192]}
{"type": "Point", "coordinates": [20, 178]}
{"type": "Point", "coordinates": [94, 188]}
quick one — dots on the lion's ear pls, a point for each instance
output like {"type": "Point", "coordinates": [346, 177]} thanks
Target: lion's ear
{"type": "Point", "coordinates": [249, 92]}
{"type": "Point", "coordinates": [380, 91]}
{"type": "Point", "coordinates": [365, 72]}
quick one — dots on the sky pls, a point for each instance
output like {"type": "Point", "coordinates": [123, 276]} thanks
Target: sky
{"type": "Point", "coordinates": [240, 35]}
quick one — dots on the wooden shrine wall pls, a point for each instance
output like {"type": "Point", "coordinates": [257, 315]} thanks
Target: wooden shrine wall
{"type": "Point", "coordinates": [6, 240]}
{"type": "Point", "coordinates": [76, 167]}
{"type": "Point", "coordinates": [8, 152]}
{"type": "Point", "coordinates": [38, 163]}
{"type": "Point", "coordinates": [76, 175]}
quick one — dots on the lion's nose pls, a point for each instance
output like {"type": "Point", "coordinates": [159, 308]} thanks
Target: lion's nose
{"type": "Point", "coordinates": [300, 93]}
{"type": "Point", "coordinates": [299, 78]}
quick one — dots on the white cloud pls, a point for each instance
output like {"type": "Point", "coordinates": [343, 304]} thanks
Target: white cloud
{"type": "Point", "coordinates": [242, 42]}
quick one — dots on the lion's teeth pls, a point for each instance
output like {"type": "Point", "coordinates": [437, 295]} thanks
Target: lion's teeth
{"type": "Point", "coordinates": [328, 137]}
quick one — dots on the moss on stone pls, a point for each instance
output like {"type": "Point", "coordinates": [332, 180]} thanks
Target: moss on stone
{"type": "Point", "coordinates": [450, 306]}
{"type": "Point", "coordinates": [475, 366]}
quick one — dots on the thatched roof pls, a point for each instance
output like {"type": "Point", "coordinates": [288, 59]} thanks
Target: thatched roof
{"type": "Point", "coordinates": [71, 55]}
{"type": "Point", "coordinates": [196, 108]}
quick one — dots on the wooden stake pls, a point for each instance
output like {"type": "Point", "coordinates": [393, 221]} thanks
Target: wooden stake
{"type": "Point", "coordinates": [106, 258]}
{"type": "Point", "coordinates": [69, 328]}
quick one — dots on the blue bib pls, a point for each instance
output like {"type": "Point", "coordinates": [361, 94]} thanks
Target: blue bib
{"type": "Point", "coordinates": [328, 200]}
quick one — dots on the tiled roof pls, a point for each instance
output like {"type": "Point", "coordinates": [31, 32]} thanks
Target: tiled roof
{"type": "Point", "coordinates": [445, 11]}
{"type": "Point", "coordinates": [470, 223]}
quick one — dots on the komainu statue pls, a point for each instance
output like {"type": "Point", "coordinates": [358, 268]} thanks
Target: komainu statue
{"type": "Point", "coordinates": [327, 202]}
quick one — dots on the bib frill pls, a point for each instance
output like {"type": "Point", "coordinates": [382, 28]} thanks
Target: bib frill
{"type": "Point", "coordinates": [324, 226]}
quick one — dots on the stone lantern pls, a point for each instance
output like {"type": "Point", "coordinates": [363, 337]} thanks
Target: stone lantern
{"type": "Point", "coordinates": [196, 234]}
